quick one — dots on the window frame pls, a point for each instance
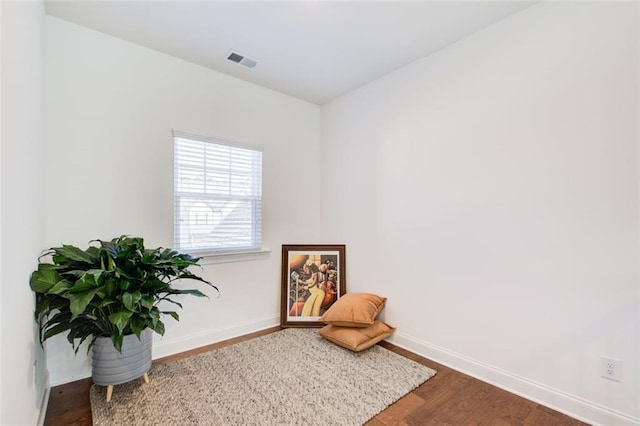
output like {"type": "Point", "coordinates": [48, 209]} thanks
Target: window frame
{"type": "Point", "coordinates": [222, 253]}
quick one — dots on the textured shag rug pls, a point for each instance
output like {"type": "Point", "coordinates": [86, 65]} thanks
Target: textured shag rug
{"type": "Point", "coordinates": [290, 377]}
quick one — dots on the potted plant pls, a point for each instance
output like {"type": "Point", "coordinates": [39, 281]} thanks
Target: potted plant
{"type": "Point", "coordinates": [114, 293]}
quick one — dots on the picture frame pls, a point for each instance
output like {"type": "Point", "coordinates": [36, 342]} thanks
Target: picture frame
{"type": "Point", "coordinates": [313, 279]}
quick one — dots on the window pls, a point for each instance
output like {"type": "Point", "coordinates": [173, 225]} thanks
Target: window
{"type": "Point", "coordinates": [218, 195]}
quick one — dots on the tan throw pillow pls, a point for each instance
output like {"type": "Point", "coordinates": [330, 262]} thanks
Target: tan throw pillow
{"type": "Point", "coordinates": [354, 310]}
{"type": "Point", "coordinates": [357, 339]}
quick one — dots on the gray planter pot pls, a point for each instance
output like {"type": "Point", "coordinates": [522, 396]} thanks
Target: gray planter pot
{"type": "Point", "coordinates": [110, 367]}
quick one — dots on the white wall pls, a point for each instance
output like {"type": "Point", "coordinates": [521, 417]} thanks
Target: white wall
{"type": "Point", "coordinates": [111, 106]}
{"type": "Point", "coordinates": [490, 191]}
{"type": "Point", "coordinates": [23, 369]}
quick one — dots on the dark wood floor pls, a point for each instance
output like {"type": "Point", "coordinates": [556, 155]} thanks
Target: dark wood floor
{"type": "Point", "coordinates": [449, 398]}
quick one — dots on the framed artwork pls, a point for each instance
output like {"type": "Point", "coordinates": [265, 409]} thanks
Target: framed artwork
{"type": "Point", "coordinates": [313, 278]}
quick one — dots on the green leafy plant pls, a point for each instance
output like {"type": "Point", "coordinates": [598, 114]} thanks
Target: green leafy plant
{"type": "Point", "coordinates": [112, 289]}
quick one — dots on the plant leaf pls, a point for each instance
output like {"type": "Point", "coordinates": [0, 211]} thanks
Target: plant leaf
{"type": "Point", "coordinates": [127, 301]}
{"type": "Point", "coordinates": [147, 301]}
{"type": "Point", "coordinates": [137, 325]}
{"type": "Point", "coordinates": [166, 299]}
{"type": "Point", "coordinates": [158, 327]}
{"type": "Point", "coordinates": [58, 318]}
{"type": "Point", "coordinates": [173, 314]}
{"type": "Point", "coordinates": [117, 341]}
{"type": "Point", "coordinates": [80, 301]}
{"type": "Point", "coordinates": [124, 285]}
{"type": "Point", "coordinates": [192, 292]}
{"type": "Point", "coordinates": [120, 320]}
{"type": "Point", "coordinates": [57, 329]}
{"type": "Point", "coordinates": [107, 289]}
{"type": "Point", "coordinates": [74, 253]}
{"type": "Point", "coordinates": [43, 278]}
{"type": "Point", "coordinates": [85, 282]}
{"type": "Point", "coordinates": [155, 285]}
{"type": "Point", "coordinates": [61, 288]}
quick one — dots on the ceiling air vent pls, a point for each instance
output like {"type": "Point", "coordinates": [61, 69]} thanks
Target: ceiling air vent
{"type": "Point", "coordinates": [241, 59]}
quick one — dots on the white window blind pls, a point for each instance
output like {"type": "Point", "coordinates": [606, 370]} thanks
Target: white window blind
{"type": "Point", "coordinates": [218, 195]}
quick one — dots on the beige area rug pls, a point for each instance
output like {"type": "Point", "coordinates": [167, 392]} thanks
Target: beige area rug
{"type": "Point", "coordinates": [290, 377]}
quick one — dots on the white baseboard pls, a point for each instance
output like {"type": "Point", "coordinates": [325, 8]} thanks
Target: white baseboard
{"type": "Point", "coordinates": [166, 347]}
{"type": "Point", "coordinates": [563, 402]}
{"type": "Point", "coordinates": [558, 400]}
{"type": "Point", "coordinates": [44, 402]}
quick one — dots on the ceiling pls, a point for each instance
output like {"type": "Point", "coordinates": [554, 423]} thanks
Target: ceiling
{"type": "Point", "coordinates": [313, 50]}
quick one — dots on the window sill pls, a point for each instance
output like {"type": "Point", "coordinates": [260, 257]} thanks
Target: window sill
{"type": "Point", "coordinates": [241, 256]}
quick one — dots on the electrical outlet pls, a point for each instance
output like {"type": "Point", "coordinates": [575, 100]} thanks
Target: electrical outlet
{"type": "Point", "coordinates": [611, 369]}
{"type": "Point", "coordinates": [34, 372]}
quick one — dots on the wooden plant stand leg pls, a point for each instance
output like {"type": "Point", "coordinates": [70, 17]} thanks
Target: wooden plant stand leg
{"type": "Point", "coordinates": [145, 378]}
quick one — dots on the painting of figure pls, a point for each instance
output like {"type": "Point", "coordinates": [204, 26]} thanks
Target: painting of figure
{"type": "Point", "coordinates": [313, 279]}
